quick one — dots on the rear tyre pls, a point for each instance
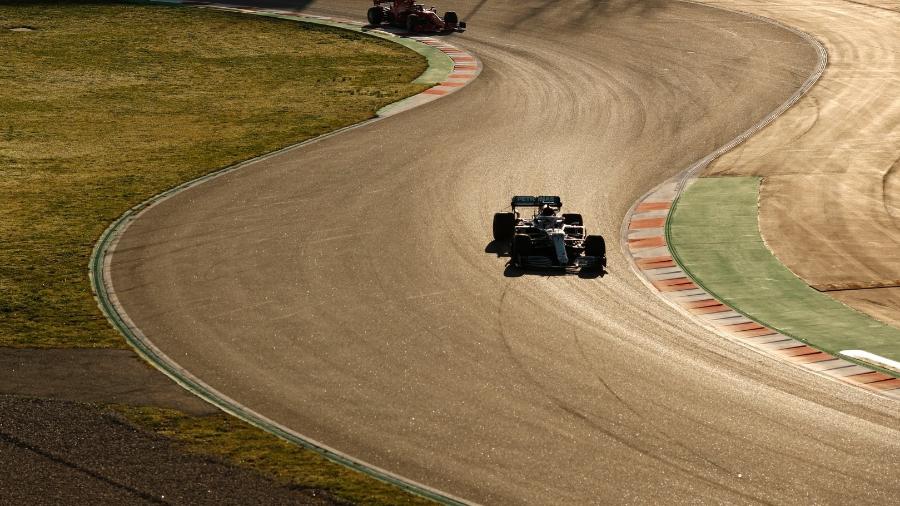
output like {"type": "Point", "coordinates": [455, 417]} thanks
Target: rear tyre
{"type": "Point", "coordinates": [595, 246]}
{"type": "Point", "coordinates": [572, 219]}
{"type": "Point", "coordinates": [451, 18]}
{"type": "Point", "coordinates": [375, 15]}
{"type": "Point", "coordinates": [504, 226]}
{"type": "Point", "coordinates": [521, 249]}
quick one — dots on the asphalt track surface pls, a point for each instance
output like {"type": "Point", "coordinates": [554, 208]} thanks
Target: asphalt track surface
{"type": "Point", "coordinates": [349, 290]}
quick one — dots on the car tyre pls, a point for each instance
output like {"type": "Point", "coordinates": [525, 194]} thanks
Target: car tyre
{"type": "Point", "coordinates": [375, 15]}
{"type": "Point", "coordinates": [451, 18]}
{"type": "Point", "coordinates": [572, 219]}
{"type": "Point", "coordinates": [595, 246]}
{"type": "Point", "coordinates": [504, 226]}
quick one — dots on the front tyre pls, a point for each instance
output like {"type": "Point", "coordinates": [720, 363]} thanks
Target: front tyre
{"type": "Point", "coordinates": [450, 18]}
{"type": "Point", "coordinates": [573, 219]}
{"type": "Point", "coordinates": [595, 246]}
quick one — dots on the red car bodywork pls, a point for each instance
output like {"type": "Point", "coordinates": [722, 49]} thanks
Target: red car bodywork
{"type": "Point", "coordinates": [412, 16]}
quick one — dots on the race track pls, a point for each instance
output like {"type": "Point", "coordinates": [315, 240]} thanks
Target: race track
{"type": "Point", "coordinates": [348, 289]}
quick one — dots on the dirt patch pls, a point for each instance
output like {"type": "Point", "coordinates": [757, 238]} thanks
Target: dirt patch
{"type": "Point", "coordinates": [879, 303]}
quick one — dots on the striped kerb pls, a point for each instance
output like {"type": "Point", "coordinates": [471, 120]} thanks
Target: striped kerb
{"type": "Point", "coordinates": [650, 255]}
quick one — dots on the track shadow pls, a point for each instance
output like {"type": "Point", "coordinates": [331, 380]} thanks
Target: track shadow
{"type": "Point", "coordinates": [511, 271]}
{"type": "Point", "coordinates": [404, 33]}
{"type": "Point", "coordinates": [576, 16]}
{"type": "Point", "coordinates": [501, 250]}
{"type": "Point", "coordinates": [592, 273]}
{"type": "Point", "coordinates": [267, 4]}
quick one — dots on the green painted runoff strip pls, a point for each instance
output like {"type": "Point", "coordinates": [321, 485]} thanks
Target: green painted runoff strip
{"type": "Point", "coordinates": [713, 233]}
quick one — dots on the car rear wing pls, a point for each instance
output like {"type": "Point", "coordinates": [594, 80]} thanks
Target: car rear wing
{"type": "Point", "coordinates": [538, 201]}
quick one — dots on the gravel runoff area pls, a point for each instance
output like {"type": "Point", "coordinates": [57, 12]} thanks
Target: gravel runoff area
{"type": "Point", "coordinates": [55, 452]}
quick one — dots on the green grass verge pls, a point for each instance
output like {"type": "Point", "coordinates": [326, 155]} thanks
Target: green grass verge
{"type": "Point", "coordinates": [239, 443]}
{"type": "Point", "coordinates": [714, 233]}
{"type": "Point", "coordinates": [103, 106]}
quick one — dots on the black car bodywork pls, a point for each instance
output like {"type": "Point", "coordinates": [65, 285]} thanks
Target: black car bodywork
{"type": "Point", "coordinates": [548, 239]}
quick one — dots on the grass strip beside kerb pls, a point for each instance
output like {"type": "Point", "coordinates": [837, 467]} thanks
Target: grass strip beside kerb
{"type": "Point", "coordinates": [714, 235]}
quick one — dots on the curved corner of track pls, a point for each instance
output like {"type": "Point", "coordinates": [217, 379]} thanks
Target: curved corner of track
{"type": "Point", "coordinates": [646, 243]}
{"type": "Point", "coordinates": [449, 70]}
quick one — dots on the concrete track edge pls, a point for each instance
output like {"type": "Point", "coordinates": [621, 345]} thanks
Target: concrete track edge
{"type": "Point", "coordinates": [644, 238]}
{"type": "Point", "coordinates": [108, 302]}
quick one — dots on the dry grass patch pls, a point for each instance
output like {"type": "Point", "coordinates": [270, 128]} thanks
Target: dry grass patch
{"type": "Point", "coordinates": [103, 106]}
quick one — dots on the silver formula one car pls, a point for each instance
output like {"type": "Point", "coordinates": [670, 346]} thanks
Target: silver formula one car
{"type": "Point", "coordinates": [548, 239]}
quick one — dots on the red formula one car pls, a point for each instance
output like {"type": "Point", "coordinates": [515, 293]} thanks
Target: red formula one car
{"type": "Point", "coordinates": [414, 17]}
